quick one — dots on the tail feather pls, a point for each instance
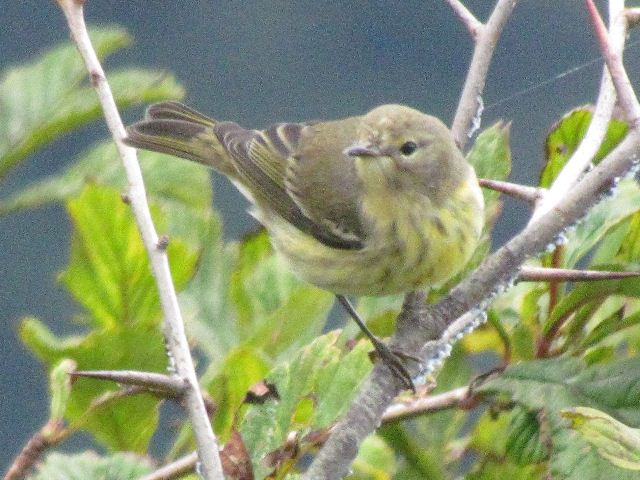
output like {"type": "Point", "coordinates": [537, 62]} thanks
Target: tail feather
{"type": "Point", "coordinates": [172, 128]}
{"type": "Point", "coordinates": [177, 111]}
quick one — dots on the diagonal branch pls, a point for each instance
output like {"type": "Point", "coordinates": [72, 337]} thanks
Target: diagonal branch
{"type": "Point", "coordinates": [471, 97]}
{"type": "Point", "coordinates": [175, 336]}
{"type": "Point", "coordinates": [470, 21]}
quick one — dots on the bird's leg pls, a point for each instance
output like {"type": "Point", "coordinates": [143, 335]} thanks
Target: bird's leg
{"type": "Point", "coordinates": [394, 360]}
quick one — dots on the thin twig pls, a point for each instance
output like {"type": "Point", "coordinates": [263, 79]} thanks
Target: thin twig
{"type": "Point", "coordinates": [151, 381]}
{"type": "Point", "coordinates": [176, 340]}
{"type": "Point", "coordinates": [50, 435]}
{"type": "Point", "coordinates": [470, 99]}
{"type": "Point", "coordinates": [470, 21]}
{"type": "Point", "coordinates": [522, 192]}
{"type": "Point", "coordinates": [590, 144]}
{"type": "Point", "coordinates": [613, 57]}
{"type": "Point", "coordinates": [419, 406]}
{"type": "Point", "coordinates": [542, 274]}
{"type": "Point", "coordinates": [633, 16]}
{"type": "Point", "coordinates": [175, 469]}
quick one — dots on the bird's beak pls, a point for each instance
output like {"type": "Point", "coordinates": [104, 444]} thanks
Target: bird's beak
{"type": "Point", "coordinates": [362, 150]}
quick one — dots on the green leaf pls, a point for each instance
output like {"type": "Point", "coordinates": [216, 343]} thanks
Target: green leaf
{"type": "Point", "coordinates": [491, 438]}
{"type": "Point", "coordinates": [89, 465]}
{"type": "Point", "coordinates": [612, 439]}
{"type": "Point", "coordinates": [575, 459]}
{"type": "Point", "coordinates": [260, 283]}
{"type": "Point", "coordinates": [523, 445]}
{"type": "Point", "coordinates": [550, 386]}
{"type": "Point", "coordinates": [206, 303]}
{"type": "Point", "coordinates": [600, 220]}
{"type": "Point", "coordinates": [51, 95]}
{"type": "Point", "coordinates": [275, 311]}
{"type": "Point", "coordinates": [241, 369]}
{"type": "Point", "coordinates": [181, 189]}
{"type": "Point", "coordinates": [60, 388]}
{"type": "Point", "coordinates": [565, 137]}
{"type": "Point", "coordinates": [375, 460]}
{"type": "Point", "coordinates": [295, 323]}
{"type": "Point", "coordinates": [109, 272]}
{"type": "Point", "coordinates": [125, 423]}
{"type": "Point", "coordinates": [630, 246]}
{"type": "Point", "coordinates": [307, 400]}
{"type": "Point", "coordinates": [610, 325]}
{"type": "Point", "coordinates": [588, 292]}
{"type": "Point", "coordinates": [491, 158]}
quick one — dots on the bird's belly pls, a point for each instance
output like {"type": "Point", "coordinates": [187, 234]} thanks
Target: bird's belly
{"type": "Point", "coordinates": [413, 249]}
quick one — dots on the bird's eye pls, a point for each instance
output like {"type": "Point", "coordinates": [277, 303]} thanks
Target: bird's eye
{"type": "Point", "coordinates": [408, 148]}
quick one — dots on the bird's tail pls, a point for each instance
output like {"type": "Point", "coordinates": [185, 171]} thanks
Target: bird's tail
{"type": "Point", "coordinates": [173, 128]}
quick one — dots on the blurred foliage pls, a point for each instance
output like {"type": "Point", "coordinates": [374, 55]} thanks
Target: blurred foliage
{"type": "Point", "coordinates": [564, 403]}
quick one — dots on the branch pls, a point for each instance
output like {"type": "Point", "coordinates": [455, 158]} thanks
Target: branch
{"type": "Point", "coordinates": [590, 144]}
{"type": "Point", "coordinates": [522, 192]}
{"type": "Point", "coordinates": [542, 274]}
{"type": "Point", "coordinates": [50, 435]}
{"type": "Point", "coordinates": [471, 97]}
{"type": "Point", "coordinates": [613, 58]}
{"type": "Point", "coordinates": [173, 326]}
{"type": "Point", "coordinates": [419, 324]}
{"type": "Point", "coordinates": [470, 21]}
{"type": "Point", "coordinates": [419, 406]}
{"type": "Point", "coordinates": [175, 469]}
{"type": "Point", "coordinates": [170, 385]}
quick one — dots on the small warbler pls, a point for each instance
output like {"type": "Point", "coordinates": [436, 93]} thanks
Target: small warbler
{"type": "Point", "coordinates": [377, 204]}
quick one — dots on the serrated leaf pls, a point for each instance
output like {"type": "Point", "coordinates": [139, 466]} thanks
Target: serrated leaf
{"type": "Point", "coordinates": [126, 423]}
{"type": "Point", "coordinates": [109, 272]}
{"type": "Point", "coordinates": [50, 96]}
{"type": "Point", "coordinates": [206, 303]}
{"type": "Point", "coordinates": [613, 439]}
{"type": "Point", "coordinates": [574, 459]}
{"type": "Point", "coordinates": [339, 380]}
{"type": "Point", "coordinates": [241, 369]}
{"type": "Point", "coordinates": [260, 283]}
{"type": "Point", "coordinates": [523, 445]}
{"type": "Point", "coordinates": [265, 427]}
{"type": "Point", "coordinates": [89, 465]}
{"type": "Point", "coordinates": [600, 220]}
{"type": "Point", "coordinates": [181, 189]}
{"type": "Point", "coordinates": [295, 323]}
{"type": "Point", "coordinates": [552, 385]}
{"type": "Point", "coordinates": [275, 311]}
{"type": "Point", "coordinates": [565, 137]}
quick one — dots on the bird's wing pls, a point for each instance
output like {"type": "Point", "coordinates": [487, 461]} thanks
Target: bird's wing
{"type": "Point", "coordinates": [319, 165]}
{"type": "Point", "coordinates": [261, 159]}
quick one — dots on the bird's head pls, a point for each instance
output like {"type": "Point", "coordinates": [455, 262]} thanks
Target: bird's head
{"type": "Point", "coordinates": [407, 148]}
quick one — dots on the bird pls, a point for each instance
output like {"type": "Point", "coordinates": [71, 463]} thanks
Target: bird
{"type": "Point", "coordinates": [370, 205]}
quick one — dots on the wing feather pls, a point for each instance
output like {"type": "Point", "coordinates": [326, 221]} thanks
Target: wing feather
{"type": "Point", "coordinates": [261, 159]}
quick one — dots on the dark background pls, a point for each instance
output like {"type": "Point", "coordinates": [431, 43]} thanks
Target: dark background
{"type": "Point", "coordinates": [257, 62]}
